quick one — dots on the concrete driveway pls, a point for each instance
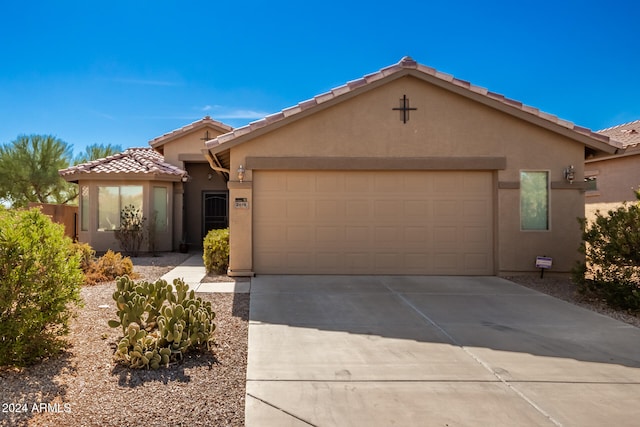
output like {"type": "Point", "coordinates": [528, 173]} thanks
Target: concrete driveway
{"type": "Point", "coordinates": [433, 351]}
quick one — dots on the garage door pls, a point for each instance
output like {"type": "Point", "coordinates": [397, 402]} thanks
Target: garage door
{"type": "Point", "coordinates": [373, 222]}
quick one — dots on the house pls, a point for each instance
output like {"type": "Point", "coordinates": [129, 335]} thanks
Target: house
{"type": "Point", "coordinates": [404, 171]}
{"type": "Point", "coordinates": [613, 179]}
{"type": "Point", "coordinates": [171, 181]}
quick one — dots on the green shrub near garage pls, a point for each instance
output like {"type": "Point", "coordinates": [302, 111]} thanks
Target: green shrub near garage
{"type": "Point", "coordinates": [40, 280]}
{"type": "Point", "coordinates": [611, 269]}
{"type": "Point", "coordinates": [216, 251]}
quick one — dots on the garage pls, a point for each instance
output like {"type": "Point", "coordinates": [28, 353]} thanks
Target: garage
{"type": "Point", "coordinates": [406, 171]}
{"type": "Point", "coordinates": [373, 222]}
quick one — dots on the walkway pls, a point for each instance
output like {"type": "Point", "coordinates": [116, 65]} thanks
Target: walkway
{"type": "Point", "coordinates": [192, 271]}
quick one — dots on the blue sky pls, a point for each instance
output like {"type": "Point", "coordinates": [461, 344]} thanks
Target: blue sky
{"type": "Point", "coordinates": [124, 72]}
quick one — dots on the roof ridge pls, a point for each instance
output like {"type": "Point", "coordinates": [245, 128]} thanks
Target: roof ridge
{"type": "Point", "coordinates": [132, 160]}
{"type": "Point", "coordinates": [204, 120]}
{"type": "Point", "coordinates": [406, 63]}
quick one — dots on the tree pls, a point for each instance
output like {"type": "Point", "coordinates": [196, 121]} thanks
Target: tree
{"type": "Point", "coordinates": [29, 171]}
{"type": "Point", "coordinates": [97, 151]}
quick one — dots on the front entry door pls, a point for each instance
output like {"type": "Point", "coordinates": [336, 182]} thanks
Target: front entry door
{"type": "Point", "coordinates": [215, 213]}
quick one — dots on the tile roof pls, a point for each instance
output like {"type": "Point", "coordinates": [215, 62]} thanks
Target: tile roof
{"type": "Point", "coordinates": [407, 64]}
{"type": "Point", "coordinates": [188, 128]}
{"type": "Point", "coordinates": [627, 133]}
{"type": "Point", "coordinates": [130, 161]}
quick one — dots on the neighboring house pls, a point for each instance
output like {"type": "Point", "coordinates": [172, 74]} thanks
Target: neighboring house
{"type": "Point", "coordinates": [404, 171]}
{"type": "Point", "coordinates": [612, 180]}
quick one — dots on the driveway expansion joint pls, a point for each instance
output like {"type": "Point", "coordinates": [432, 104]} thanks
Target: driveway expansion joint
{"type": "Point", "coordinates": [455, 342]}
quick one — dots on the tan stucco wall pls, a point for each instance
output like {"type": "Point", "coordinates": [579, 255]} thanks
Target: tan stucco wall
{"type": "Point", "coordinates": [190, 143]}
{"type": "Point", "coordinates": [617, 179]}
{"type": "Point", "coordinates": [446, 125]}
{"type": "Point", "coordinates": [193, 191]}
{"type": "Point", "coordinates": [103, 240]}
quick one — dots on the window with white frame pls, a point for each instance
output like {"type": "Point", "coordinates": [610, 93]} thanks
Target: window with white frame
{"type": "Point", "coordinates": [112, 199]}
{"type": "Point", "coordinates": [534, 200]}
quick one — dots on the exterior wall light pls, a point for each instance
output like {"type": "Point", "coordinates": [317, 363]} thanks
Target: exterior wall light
{"type": "Point", "coordinates": [186, 178]}
{"type": "Point", "coordinates": [570, 174]}
{"type": "Point", "coordinates": [241, 173]}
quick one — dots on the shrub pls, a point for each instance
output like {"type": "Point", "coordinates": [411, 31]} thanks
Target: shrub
{"type": "Point", "coordinates": [106, 268]}
{"type": "Point", "coordinates": [131, 232]}
{"type": "Point", "coordinates": [40, 280]}
{"type": "Point", "coordinates": [158, 325]}
{"type": "Point", "coordinates": [86, 253]}
{"type": "Point", "coordinates": [113, 265]}
{"type": "Point", "coordinates": [611, 269]}
{"type": "Point", "coordinates": [216, 251]}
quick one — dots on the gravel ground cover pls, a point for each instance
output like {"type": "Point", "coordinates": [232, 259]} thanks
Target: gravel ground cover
{"type": "Point", "coordinates": [84, 387]}
{"type": "Point", "coordinates": [562, 288]}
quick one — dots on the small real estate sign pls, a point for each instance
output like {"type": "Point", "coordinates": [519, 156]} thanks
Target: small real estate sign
{"type": "Point", "coordinates": [544, 262]}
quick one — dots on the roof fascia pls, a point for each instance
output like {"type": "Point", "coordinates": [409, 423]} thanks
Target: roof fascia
{"type": "Point", "coordinates": [93, 176]}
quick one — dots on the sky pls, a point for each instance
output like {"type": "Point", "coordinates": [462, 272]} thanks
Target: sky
{"type": "Point", "coordinates": [125, 72]}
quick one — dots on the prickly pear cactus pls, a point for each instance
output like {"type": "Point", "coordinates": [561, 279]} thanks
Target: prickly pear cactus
{"type": "Point", "coordinates": [159, 325]}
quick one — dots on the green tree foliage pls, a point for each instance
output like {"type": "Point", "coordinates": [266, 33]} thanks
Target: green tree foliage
{"type": "Point", "coordinates": [29, 171]}
{"type": "Point", "coordinates": [40, 280]}
{"type": "Point", "coordinates": [611, 245]}
{"type": "Point", "coordinates": [96, 151]}
{"type": "Point", "coordinates": [216, 251]}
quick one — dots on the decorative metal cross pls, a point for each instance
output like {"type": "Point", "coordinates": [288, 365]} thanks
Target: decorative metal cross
{"type": "Point", "coordinates": [206, 136]}
{"type": "Point", "coordinates": [404, 109]}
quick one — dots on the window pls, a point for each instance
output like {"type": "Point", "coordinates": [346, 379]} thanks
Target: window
{"type": "Point", "coordinates": [111, 200]}
{"type": "Point", "coordinates": [591, 183]}
{"type": "Point", "coordinates": [84, 208]}
{"type": "Point", "coordinates": [160, 208]}
{"type": "Point", "coordinates": [534, 200]}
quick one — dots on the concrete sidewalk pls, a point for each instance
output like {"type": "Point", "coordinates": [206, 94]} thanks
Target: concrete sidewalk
{"type": "Point", "coordinates": [192, 271]}
{"type": "Point", "coordinates": [433, 351]}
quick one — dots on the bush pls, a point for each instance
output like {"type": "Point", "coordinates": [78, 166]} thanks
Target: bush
{"type": "Point", "coordinates": [611, 245]}
{"type": "Point", "coordinates": [131, 232]}
{"type": "Point", "coordinates": [106, 268]}
{"type": "Point", "coordinates": [158, 325]}
{"type": "Point", "coordinates": [40, 280]}
{"type": "Point", "coordinates": [113, 265]}
{"type": "Point", "coordinates": [216, 251]}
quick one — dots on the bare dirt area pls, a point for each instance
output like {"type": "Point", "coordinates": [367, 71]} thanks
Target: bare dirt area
{"type": "Point", "coordinates": [85, 387]}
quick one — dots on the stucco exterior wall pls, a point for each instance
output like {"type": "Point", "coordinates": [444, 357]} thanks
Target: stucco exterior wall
{"type": "Point", "coordinates": [193, 192]}
{"type": "Point", "coordinates": [444, 125]}
{"type": "Point", "coordinates": [190, 143]}
{"type": "Point", "coordinates": [617, 179]}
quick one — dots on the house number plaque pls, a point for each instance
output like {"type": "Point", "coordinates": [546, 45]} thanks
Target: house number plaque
{"type": "Point", "coordinates": [241, 203]}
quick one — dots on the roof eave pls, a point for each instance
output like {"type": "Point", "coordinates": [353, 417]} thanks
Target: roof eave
{"type": "Point", "coordinates": [128, 176]}
{"type": "Point", "coordinates": [597, 142]}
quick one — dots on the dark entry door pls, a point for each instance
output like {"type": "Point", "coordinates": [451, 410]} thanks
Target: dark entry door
{"type": "Point", "coordinates": [215, 206]}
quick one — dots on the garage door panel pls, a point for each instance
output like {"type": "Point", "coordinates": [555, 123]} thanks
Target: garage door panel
{"type": "Point", "coordinates": [358, 209]}
{"type": "Point", "coordinates": [345, 222]}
